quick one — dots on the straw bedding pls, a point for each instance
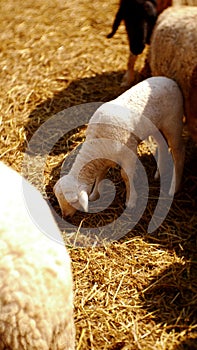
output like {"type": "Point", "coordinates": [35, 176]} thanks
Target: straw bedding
{"type": "Point", "coordinates": [139, 292]}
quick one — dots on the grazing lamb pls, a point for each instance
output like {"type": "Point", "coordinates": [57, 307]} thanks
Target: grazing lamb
{"type": "Point", "coordinates": [119, 125]}
{"type": "Point", "coordinates": [139, 17]}
{"type": "Point", "coordinates": [36, 298]}
{"type": "Point", "coordinates": [173, 53]}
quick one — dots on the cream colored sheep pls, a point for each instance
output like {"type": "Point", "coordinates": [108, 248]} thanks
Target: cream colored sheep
{"type": "Point", "coordinates": [184, 2]}
{"type": "Point", "coordinates": [36, 298]}
{"type": "Point", "coordinates": [173, 53]}
{"type": "Point", "coordinates": [117, 127]}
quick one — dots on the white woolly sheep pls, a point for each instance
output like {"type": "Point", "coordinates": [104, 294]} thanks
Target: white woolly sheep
{"type": "Point", "coordinates": [185, 2]}
{"type": "Point", "coordinates": [36, 298]}
{"type": "Point", "coordinates": [173, 53]}
{"type": "Point", "coordinates": [156, 103]}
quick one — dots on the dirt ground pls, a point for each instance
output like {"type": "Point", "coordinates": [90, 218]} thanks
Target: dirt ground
{"type": "Point", "coordinates": [139, 292]}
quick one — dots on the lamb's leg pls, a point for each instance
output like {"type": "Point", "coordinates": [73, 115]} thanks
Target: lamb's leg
{"type": "Point", "coordinates": [163, 154]}
{"type": "Point", "coordinates": [95, 193]}
{"type": "Point", "coordinates": [178, 153]}
{"type": "Point", "coordinates": [176, 144]}
{"type": "Point", "coordinates": [129, 168]}
{"type": "Point", "coordinates": [129, 75]}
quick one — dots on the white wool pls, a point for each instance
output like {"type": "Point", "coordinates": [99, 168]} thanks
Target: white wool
{"type": "Point", "coordinates": [36, 297]}
{"type": "Point", "coordinates": [173, 53]}
{"type": "Point", "coordinates": [152, 105]}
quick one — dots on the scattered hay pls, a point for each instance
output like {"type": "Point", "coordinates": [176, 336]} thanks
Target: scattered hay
{"type": "Point", "coordinates": [134, 295]}
{"type": "Point", "coordinates": [140, 292]}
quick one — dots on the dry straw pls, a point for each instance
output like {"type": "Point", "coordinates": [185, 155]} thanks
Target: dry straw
{"type": "Point", "coordinates": [140, 292]}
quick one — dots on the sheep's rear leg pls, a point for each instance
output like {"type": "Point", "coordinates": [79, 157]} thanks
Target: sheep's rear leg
{"type": "Point", "coordinates": [95, 193]}
{"type": "Point", "coordinates": [163, 154]}
{"type": "Point", "coordinates": [178, 154]}
{"type": "Point", "coordinates": [176, 144]}
{"type": "Point", "coordinates": [127, 173]}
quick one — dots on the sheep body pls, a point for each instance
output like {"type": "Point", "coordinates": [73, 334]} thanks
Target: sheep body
{"type": "Point", "coordinates": [155, 103]}
{"type": "Point", "coordinates": [36, 298]}
{"type": "Point", "coordinates": [173, 53]}
{"type": "Point", "coordinates": [185, 2]}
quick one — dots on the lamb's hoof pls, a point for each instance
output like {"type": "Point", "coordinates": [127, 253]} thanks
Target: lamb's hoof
{"type": "Point", "coordinates": [156, 177]}
{"type": "Point", "coordinates": [94, 196]}
{"type": "Point", "coordinates": [131, 203]}
{"type": "Point", "coordinates": [173, 188]}
{"type": "Point", "coordinates": [172, 191]}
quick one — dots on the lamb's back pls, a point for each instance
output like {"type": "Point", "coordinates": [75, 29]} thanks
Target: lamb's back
{"type": "Point", "coordinates": [155, 99]}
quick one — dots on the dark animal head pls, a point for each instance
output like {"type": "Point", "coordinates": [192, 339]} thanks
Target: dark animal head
{"type": "Point", "coordinates": [139, 17]}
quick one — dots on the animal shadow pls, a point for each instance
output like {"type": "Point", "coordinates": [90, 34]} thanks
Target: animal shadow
{"type": "Point", "coordinates": [97, 89]}
{"type": "Point", "coordinates": [171, 297]}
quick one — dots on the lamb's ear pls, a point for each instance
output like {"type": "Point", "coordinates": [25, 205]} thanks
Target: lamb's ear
{"type": "Point", "coordinates": [83, 200]}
